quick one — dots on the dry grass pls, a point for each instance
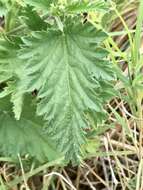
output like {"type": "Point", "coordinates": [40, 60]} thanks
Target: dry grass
{"type": "Point", "coordinates": [117, 166]}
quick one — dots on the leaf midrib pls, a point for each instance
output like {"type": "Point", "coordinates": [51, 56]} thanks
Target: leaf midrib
{"type": "Point", "coordinates": [65, 47]}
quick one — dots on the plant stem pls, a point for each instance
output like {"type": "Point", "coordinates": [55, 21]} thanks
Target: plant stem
{"type": "Point", "coordinates": [137, 41]}
{"type": "Point", "coordinates": [10, 18]}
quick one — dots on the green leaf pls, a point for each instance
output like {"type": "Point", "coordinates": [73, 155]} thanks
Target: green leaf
{"type": "Point", "coordinates": [32, 19]}
{"type": "Point", "coordinates": [8, 59]}
{"type": "Point", "coordinates": [66, 69]}
{"type": "Point", "coordinates": [80, 7]}
{"type": "Point", "coordinates": [10, 70]}
{"type": "Point", "coordinates": [43, 5]}
{"type": "Point", "coordinates": [25, 136]}
{"type": "Point", "coordinates": [17, 100]}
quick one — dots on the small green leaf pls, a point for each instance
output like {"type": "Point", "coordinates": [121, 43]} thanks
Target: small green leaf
{"type": "Point", "coordinates": [32, 19]}
{"type": "Point", "coordinates": [43, 5]}
{"type": "Point", "coordinates": [11, 69]}
{"type": "Point", "coordinates": [80, 7]}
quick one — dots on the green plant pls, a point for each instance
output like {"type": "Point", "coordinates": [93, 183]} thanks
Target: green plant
{"type": "Point", "coordinates": [52, 60]}
{"type": "Point", "coordinates": [130, 81]}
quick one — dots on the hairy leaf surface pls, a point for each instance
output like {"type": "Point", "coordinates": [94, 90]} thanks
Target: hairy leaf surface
{"type": "Point", "coordinates": [66, 69]}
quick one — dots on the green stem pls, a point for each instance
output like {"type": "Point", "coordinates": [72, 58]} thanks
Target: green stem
{"type": "Point", "coordinates": [137, 41]}
{"type": "Point", "coordinates": [6, 159]}
{"type": "Point", "coordinates": [10, 19]}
